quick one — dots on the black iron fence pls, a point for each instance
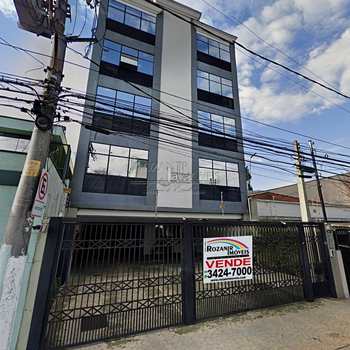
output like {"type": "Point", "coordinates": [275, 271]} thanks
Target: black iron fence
{"type": "Point", "coordinates": [277, 272]}
{"type": "Point", "coordinates": [109, 280]}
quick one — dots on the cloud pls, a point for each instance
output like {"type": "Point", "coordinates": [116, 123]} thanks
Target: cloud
{"type": "Point", "coordinates": [332, 62]}
{"type": "Point", "coordinates": [276, 94]}
{"type": "Point", "coordinates": [272, 99]}
{"type": "Point", "coordinates": [7, 7]}
{"type": "Point", "coordinates": [266, 103]}
{"type": "Point", "coordinates": [265, 93]}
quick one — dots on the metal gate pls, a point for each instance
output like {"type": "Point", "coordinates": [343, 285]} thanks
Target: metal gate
{"type": "Point", "coordinates": [277, 270]}
{"type": "Point", "coordinates": [110, 280]}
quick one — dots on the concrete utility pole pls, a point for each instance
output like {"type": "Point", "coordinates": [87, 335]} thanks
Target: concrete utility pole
{"type": "Point", "coordinates": [304, 208]}
{"type": "Point", "coordinates": [319, 188]}
{"type": "Point", "coordinates": [16, 237]}
{"type": "Point", "coordinates": [14, 265]}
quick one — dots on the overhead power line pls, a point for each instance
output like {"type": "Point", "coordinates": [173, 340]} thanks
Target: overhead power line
{"type": "Point", "coordinates": [252, 52]}
{"type": "Point", "coordinates": [282, 52]}
{"type": "Point", "coordinates": [267, 149]}
{"type": "Point", "coordinates": [163, 120]}
{"type": "Point", "coordinates": [243, 117]}
{"type": "Point", "coordinates": [267, 146]}
{"type": "Point", "coordinates": [292, 71]}
{"type": "Point", "coordinates": [5, 42]}
{"type": "Point", "coordinates": [240, 116]}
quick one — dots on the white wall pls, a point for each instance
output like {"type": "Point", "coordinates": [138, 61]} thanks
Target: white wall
{"type": "Point", "coordinates": [267, 209]}
{"type": "Point", "coordinates": [7, 194]}
{"type": "Point", "coordinates": [56, 199]}
{"type": "Point", "coordinates": [174, 173]}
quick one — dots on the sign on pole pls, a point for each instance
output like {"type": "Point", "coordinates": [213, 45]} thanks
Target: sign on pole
{"type": "Point", "coordinates": [39, 205]}
{"type": "Point", "coordinates": [227, 259]}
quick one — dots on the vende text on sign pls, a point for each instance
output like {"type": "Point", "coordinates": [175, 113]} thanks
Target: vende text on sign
{"type": "Point", "coordinates": [227, 259]}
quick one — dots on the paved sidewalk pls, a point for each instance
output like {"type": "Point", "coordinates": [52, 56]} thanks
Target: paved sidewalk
{"type": "Point", "coordinates": [323, 324]}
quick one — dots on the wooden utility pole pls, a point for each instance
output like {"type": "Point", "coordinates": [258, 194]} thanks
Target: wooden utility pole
{"type": "Point", "coordinates": [304, 208]}
{"type": "Point", "coordinates": [319, 188]}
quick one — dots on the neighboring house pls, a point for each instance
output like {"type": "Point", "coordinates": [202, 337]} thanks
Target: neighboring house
{"type": "Point", "coordinates": [150, 167]}
{"type": "Point", "coordinates": [282, 203]}
{"type": "Point", "coordinates": [14, 141]}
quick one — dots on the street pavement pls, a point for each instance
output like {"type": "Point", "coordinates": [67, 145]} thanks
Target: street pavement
{"type": "Point", "coordinates": [322, 324]}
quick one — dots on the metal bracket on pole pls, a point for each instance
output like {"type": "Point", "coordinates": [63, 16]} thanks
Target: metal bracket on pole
{"type": "Point", "coordinates": [77, 39]}
{"type": "Point", "coordinates": [304, 207]}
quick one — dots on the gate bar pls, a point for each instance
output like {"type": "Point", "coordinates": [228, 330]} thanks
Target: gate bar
{"type": "Point", "coordinates": [306, 269]}
{"type": "Point", "coordinates": [188, 277]}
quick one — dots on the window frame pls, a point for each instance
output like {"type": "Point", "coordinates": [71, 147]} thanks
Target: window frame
{"type": "Point", "coordinates": [141, 16]}
{"type": "Point", "coordinates": [209, 42]}
{"type": "Point", "coordinates": [16, 141]}
{"type": "Point", "coordinates": [213, 168]}
{"type": "Point", "coordinates": [210, 130]}
{"type": "Point", "coordinates": [137, 114]}
{"type": "Point", "coordinates": [110, 156]}
{"type": "Point", "coordinates": [213, 79]}
{"type": "Point", "coordinates": [139, 55]}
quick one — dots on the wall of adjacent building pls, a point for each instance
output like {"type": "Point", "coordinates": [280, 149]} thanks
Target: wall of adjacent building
{"type": "Point", "coordinates": [336, 190]}
{"type": "Point", "coordinates": [55, 204]}
{"type": "Point", "coordinates": [268, 210]}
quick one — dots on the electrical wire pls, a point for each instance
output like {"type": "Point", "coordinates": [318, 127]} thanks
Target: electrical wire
{"type": "Point", "coordinates": [5, 42]}
{"type": "Point", "coordinates": [191, 119]}
{"type": "Point", "coordinates": [186, 139]}
{"type": "Point", "coordinates": [264, 41]}
{"type": "Point", "coordinates": [252, 52]}
{"type": "Point", "coordinates": [243, 117]}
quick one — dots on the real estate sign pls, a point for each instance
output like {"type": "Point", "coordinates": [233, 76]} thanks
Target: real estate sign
{"type": "Point", "coordinates": [227, 259]}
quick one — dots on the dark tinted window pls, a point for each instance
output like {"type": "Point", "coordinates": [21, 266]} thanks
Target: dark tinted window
{"type": "Point", "coordinates": [131, 17]}
{"type": "Point", "coordinates": [114, 169]}
{"type": "Point", "coordinates": [213, 48]}
{"type": "Point", "coordinates": [117, 54]}
{"type": "Point", "coordinates": [214, 84]}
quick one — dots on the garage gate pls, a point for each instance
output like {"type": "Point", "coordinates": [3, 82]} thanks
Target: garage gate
{"type": "Point", "coordinates": [108, 280]}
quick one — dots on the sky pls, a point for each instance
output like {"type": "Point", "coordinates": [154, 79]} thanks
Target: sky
{"type": "Point", "coordinates": [312, 37]}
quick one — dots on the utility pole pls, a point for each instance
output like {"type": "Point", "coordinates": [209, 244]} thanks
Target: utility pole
{"type": "Point", "coordinates": [14, 259]}
{"type": "Point", "coordinates": [319, 188]}
{"type": "Point", "coordinates": [304, 208]}
{"type": "Point", "coordinates": [16, 234]}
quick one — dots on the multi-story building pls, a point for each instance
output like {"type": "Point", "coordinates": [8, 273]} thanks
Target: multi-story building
{"type": "Point", "coordinates": [15, 135]}
{"type": "Point", "coordinates": [165, 86]}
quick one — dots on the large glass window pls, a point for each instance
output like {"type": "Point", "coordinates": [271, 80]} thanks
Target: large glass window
{"type": "Point", "coordinates": [215, 124]}
{"type": "Point", "coordinates": [213, 48]}
{"type": "Point", "coordinates": [124, 104]}
{"type": "Point", "coordinates": [131, 17]}
{"type": "Point", "coordinates": [213, 83]}
{"type": "Point", "coordinates": [14, 144]}
{"type": "Point", "coordinates": [115, 53]}
{"type": "Point", "coordinates": [117, 161]}
{"type": "Point", "coordinates": [212, 172]}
